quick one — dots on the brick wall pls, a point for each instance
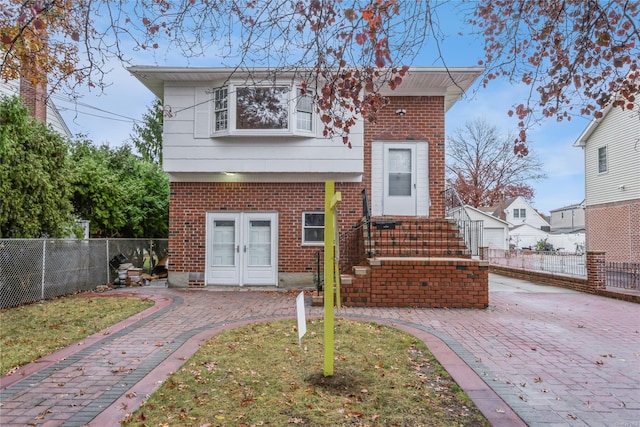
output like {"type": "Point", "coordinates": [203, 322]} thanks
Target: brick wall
{"type": "Point", "coordinates": [423, 121]}
{"type": "Point", "coordinates": [190, 201]}
{"type": "Point", "coordinates": [419, 282]}
{"type": "Point", "coordinates": [615, 229]}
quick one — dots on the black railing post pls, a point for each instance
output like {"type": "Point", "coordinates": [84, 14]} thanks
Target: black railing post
{"type": "Point", "coordinates": [367, 216]}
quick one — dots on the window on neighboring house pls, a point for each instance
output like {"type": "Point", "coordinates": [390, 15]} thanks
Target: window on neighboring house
{"type": "Point", "coordinates": [304, 110]}
{"type": "Point", "coordinates": [519, 213]}
{"type": "Point", "coordinates": [313, 228]}
{"type": "Point", "coordinates": [602, 159]}
{"type": "Point", "coordinates": [220, 109]}
{"type": "Point", "coordinates": [262, 108]}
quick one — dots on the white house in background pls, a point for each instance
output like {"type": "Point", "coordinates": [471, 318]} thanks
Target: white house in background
{"type": "Point", "coordinates": [568, 219]}
{"type": "Point", "coordinates": [611, 147]}
{"type": "Point", "coordinates": [517, 211]}
{"type": "Point", "coordinates": [495, 231]}
{"type": "Point", "coordinates": [53, 117]}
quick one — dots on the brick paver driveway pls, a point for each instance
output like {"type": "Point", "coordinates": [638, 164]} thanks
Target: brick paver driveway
{"type": "Point", "coordinates": [556, 357]}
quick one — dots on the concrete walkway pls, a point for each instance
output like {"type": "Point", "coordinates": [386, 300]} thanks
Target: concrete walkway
{"type": "Point", "coordinates": [539, 355]}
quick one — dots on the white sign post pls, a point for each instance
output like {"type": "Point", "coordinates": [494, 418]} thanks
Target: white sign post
{"type": "Point", "coordinates": [302, 321]}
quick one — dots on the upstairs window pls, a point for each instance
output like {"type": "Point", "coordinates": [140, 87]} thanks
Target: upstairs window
{"type": "Point", "coordinates": [262, 108]}
{"type": "Point", "coordinates": [220, 109]}
{"type": "Point", "coordinates": [313, 228]}
{"type": "Point", "coordinates": [519, 213]}
{"type": "Point", "coordinates": [304, 111]}
{"type": "Point", "coordinates": [602, 159]}
{"type": "Point", "coordinates": [278, 110]}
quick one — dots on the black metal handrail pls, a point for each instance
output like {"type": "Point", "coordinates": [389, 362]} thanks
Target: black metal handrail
{"type": "Point", "coordinates": [351, 250]}
{"type": "Point", "coordinates": [366, 213]}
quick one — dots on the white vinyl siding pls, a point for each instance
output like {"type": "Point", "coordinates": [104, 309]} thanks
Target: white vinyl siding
{"type": "Point", "coordinates": [619, 132]}
{"type": "Point", "coordinates": [189, 148]}
{"type": "Point", "coordinates": [202, 111]}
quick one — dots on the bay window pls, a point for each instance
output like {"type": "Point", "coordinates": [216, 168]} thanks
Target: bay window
{"type": "Point", "coordinates": [277, 110]}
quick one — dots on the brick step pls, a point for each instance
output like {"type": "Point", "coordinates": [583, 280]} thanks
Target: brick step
{"type": "Point", "coordinates": [426, 252]}
{"type": "Point", "coordinates": [419, 243]}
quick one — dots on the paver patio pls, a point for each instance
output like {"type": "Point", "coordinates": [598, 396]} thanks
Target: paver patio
{"type": "Point", "coordinates": [543, 355]}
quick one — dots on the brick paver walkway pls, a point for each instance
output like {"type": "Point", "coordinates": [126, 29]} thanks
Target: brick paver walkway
{"type": "Point", "coordinates": [555, 357]}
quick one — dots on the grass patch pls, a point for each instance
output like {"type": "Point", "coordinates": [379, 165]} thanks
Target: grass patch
{"type": "Point", "coordinates": [259, 375]}
{"type": "Point", "coordinates": [32, 331]}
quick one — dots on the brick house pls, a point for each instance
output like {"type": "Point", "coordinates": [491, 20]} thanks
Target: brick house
{"type": "Point", "coordinates": [247, 163]}
{"type": "Point", "coordinates": [612, 184]}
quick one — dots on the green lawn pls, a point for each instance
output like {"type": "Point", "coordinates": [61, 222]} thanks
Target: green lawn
{"type": "Point", "coordinates": [259, 375]}
{"type": "Point", "coordinates": [32, 331]}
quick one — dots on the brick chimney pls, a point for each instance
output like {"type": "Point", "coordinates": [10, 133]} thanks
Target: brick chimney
{"type": "Point", "coordinates": [34, 96]}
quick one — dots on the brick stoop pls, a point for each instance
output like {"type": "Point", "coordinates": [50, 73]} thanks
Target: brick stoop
{"type": "Point", "coordinates": [418, 282]}
{"type": "Point", "coordinates": [415, 237]}
{"type": "Point", "coordinates": [416, 262]}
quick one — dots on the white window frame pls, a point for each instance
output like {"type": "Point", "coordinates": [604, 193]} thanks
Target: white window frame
{"type": "Point", "coordinates": [228, 105]}
{"type": "Point", "coordinates": [520, 213]}
{"type": "Point", "coordinates": [603, 163]}
{"type": "Point", "coordinates": [220, 108]}
{"type": "Point", "coordinates": [304, 227]}
{"type": "Point", "coordinates": [302, 116]}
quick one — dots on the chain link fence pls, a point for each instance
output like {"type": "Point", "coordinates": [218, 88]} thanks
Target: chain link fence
{"type": "Point", "coordinates": [39, 269]}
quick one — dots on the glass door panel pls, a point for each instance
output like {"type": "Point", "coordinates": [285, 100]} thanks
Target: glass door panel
{"type": "Point", "coordinates": [259, 243]}
{"type": "Point", "coordinates": [224, 243]}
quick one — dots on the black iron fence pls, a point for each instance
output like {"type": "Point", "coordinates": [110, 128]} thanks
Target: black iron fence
{"type": "Point", "coordinates": [625, 275]}
{"type": "Point", "coordinates": [437, 237]}
{"type": "Point", "coordinates": [622, 275]}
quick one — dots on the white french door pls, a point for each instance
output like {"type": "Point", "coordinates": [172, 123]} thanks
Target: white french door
{"type": "Point", "coordinates": [400, 179]}
{"type": "Point", "coordinates": [241, 248]}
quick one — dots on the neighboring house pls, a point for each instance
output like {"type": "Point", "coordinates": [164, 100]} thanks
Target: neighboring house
{"type": "Point", "coordinates": [568, 219]}
{"type": "Point", "coordinates": [517, 211]}
{"type": "Point", "coordinates": [495, 231]}
{"type": "Point", "coordinates": [38, 102]}
{"type": "Point", "coordinates": [247, 162]}
{"type": "Point", "coordinates": [611, 147]}
{"type": "Point", "coordinates": [526, 225]}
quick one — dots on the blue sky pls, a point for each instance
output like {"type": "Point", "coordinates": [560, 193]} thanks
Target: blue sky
{"type": "Point", "coordinates": [108, 117]}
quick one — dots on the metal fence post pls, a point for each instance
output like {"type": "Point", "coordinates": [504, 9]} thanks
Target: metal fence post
{"type": "Point", "coordinates": [44, 264]}
{"type": "Point", "coordinates": [108, 259]}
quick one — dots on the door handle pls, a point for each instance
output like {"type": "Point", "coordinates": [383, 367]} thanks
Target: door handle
{"type": "Point", "coordinates": [245, 249]}
{"type": "Point", "coordinates": [238, 249]}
